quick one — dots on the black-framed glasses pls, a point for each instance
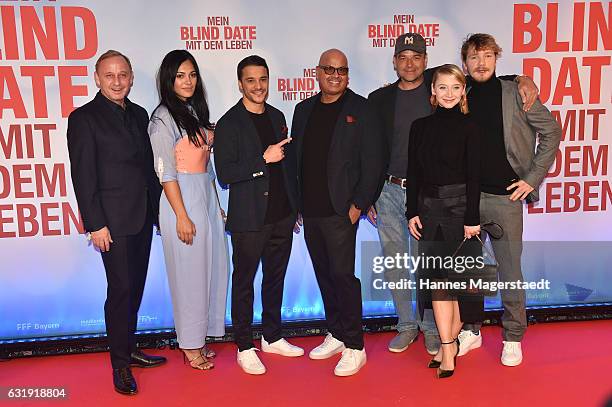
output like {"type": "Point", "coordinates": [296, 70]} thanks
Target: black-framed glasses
{"type": "Point", "coordinates": [330, 70]}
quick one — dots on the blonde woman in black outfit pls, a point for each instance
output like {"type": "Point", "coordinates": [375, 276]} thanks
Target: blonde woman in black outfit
{"type": "Point", "coordinates": [443, 197]}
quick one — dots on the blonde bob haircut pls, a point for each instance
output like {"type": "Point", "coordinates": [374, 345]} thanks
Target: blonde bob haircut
{"type": "Point", "coordinates": [452, 70]}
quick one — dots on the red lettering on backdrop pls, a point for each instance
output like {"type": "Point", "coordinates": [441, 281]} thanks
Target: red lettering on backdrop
{"type": "Point", "coordinates": [528, 36]}
{"type": "Point", "coordinates": [9, 30]}
{"type": "Point", "coordinates": [68, 90]}
{"type": "Point", "coordinates": [90, 33]}
{"type": "Point", "coordinates": [48, 218]}
{"type": "Point", "coordinates": [4, 219]}
{"type": "Point", "coordinates": [596, 64]}
{"type": "Point", "coordinates": [39, 89]}
{"type": "Point", "coordinates": [28, 226]}
{"type": "Point", "coordinates": [13, 101]}
{"type": "Point", "coordinates": [552, 19]}
{"type": "Point", "coordinates": [46, 36]}
{"type": "Point", "coordinates": [598, 24]}
{"type": "Point", "coordinates": [6, 182]}
{"type": "Point", "coordinates": [45, 32]}
{"type": "Point", "coordinates": [523, 26]}
{"type": "Point", "coordinates": [583, 153]}
{"type": "Point", "coordinates": [568, 70]}
{"type": "Point", "coordinates": [578, 27]}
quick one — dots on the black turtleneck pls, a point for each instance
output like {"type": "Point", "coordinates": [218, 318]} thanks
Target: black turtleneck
{"type": "Point", "coordinates": [485, 102]}
{"type": "Point", "coordinates": [445, 149]}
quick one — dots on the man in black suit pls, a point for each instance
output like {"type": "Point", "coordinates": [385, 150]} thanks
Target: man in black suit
{"type": "Point", "coordinates": [339, 168]}
{"type": "Point", "coordinates": [253, 156]}
{"type": "Point", "coordinates": [118, 196]}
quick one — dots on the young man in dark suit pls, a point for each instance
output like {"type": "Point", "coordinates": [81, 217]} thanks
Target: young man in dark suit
{"type": "Point", "coordinates": [339, 167]}
{"type": "Point", "coordinates": [253, 156]}
{"type": "Point", "coordinates": [118, 196]}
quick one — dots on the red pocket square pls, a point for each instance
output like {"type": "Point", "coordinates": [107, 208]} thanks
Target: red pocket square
{"type": "Point", "coordinates": [350, 119]}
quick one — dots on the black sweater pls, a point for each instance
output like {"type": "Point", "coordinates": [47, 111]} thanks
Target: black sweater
{"type": "Point", "coordinates": [444, 150]}
{"type": "Point", "coordinates": [485, 101]}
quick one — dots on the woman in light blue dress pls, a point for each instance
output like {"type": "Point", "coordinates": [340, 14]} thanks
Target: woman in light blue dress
{"type": "Point", "coordinates": [191, 222]}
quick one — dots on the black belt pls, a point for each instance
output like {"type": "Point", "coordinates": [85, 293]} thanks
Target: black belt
{"type": "Point", "coordinates": [444, 191]}
{"type": "Point", "coordinates": [397, 181]}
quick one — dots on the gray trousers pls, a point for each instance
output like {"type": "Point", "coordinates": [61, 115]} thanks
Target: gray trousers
{"type": "Point", "coordinates": [507, 250]}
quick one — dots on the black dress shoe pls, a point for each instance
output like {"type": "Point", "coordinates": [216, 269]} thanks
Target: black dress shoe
{"type": "Point", "coordinates": [124, 381]}
{"type": "Point", "coordinates": [140, 359]}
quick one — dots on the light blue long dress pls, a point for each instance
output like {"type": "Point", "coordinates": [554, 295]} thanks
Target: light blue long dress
{"type": "Point", "coordinates": [197, 273]}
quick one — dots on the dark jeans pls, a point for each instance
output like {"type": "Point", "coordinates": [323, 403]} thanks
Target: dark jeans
{"type": "Point", "coordinates": [126, 265]}
{"type": "Point", "coordinates": [271, 246]}
{"type": "Point", "coordinates": [331, 245]}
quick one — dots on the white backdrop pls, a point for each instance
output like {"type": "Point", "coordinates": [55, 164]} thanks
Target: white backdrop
{"type": "Point", "coordinates": [52, 283]}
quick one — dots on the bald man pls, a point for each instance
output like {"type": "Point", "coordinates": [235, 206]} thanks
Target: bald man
{"type": "Point", "coordinates": [339, 168]}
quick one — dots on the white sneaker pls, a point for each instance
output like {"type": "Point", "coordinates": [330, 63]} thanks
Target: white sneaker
{"type": "Point", "coordinates": [250, 363]}
{"type": "Point", "coordinates": [512, 355]}
{"type": "Point", "coordinates": [352, 360]}
{"type": "Point", "coordinates": [330, 347]}
{"type": "Point", "coordinates": [281, 347]}
{"type": "Point", "coordinates": [468, 341]}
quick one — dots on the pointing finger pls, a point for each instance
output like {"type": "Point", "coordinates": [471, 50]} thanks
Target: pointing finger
{"type": "Point", "coordinates": [284, 141]}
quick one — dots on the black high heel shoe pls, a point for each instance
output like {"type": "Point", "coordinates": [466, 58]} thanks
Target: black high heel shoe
{"type": "Point", "coordinates": [434, 364]}
{"type": "Point", "coordinates": [442, 374]}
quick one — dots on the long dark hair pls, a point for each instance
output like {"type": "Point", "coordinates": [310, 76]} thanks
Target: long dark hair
{"type": "Point", "coordinates": [179, 109]}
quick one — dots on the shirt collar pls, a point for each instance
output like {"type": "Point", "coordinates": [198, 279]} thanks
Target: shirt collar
{"type": "Point", "coordinates": [114, 105]}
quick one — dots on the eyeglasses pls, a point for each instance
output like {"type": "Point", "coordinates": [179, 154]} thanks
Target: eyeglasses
{"type": "Point", "coordinates": [330, 70]}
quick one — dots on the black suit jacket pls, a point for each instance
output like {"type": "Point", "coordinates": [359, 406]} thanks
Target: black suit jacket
{"type": "Point", "coordinates": [355, 160]}
{"type": "Point", "coordinates": [239, 163]}
{"type": "Point", "coordinates": [381, 104]}
{"type": "Point", "coordinates": [112, 173]}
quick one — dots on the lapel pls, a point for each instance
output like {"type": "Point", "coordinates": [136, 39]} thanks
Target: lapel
{"type": "Point", "coordinates": [308, 106]}
{"type": "Point", "coordinates": [388, 109]}
{"type": "Point", "coordinates": [276, 124]}
{"type": "Point", "coordinates": [249, 126]}
{"type": "Point", "coordinates": [340, 123]}
{"type": "Point", "coordinates": [109, 112]}
{"type": "Point", "coordinates": [508, 112]}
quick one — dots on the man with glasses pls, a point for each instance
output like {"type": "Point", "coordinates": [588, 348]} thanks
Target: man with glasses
{"type": "Point", "coordinates": [338, 171]}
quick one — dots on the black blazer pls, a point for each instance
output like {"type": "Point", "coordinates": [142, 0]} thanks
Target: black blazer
{"type": "Point", "coordinates": [381, 104]}
{"type": "Point", "coordinates": [355, 159]}
{"type": "Point", "coordinates": [112, 173]}
{"type": "Point", "coordinates": [239, 163]}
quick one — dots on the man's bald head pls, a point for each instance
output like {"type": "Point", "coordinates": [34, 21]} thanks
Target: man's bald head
{"type": "Point", "coordinates": [332, 75]}
{"type": "Point", "coordinates": [333, 54]}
